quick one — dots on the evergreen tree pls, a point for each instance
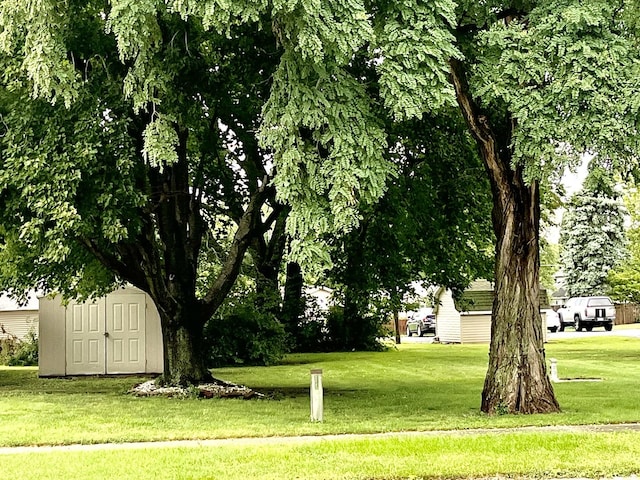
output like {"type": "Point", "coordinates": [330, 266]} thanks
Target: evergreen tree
{"type": "Point", "coordinates": [592, 237]}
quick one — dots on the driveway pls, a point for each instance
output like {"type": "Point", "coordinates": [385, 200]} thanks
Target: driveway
{"type": "Point", "coordinates": [621, 330]}
{"type": "Point", "coordinates": [428, 338]}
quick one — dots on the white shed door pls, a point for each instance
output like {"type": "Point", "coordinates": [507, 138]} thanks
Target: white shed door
{"type": "Point", "coordinates": [85, 338]}
{"type": "Point", "coordinates": [125, 326]}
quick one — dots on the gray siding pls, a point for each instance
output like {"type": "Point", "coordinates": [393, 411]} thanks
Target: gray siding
{"type": "Point", "coordinates": [475, 327]}
{"type": "Point", "coordinates": [18, 323]}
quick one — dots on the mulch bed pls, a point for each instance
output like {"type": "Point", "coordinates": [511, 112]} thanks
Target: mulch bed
{"type": "Point", "coordinates": [215, 389]}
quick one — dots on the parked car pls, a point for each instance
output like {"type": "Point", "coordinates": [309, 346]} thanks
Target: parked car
{"type": "Point", "coordinates": [421, 322]}
{"type": "Point", "coordinates": [588, 312]}
{"type": "Point", "coordinates": [552, 319]}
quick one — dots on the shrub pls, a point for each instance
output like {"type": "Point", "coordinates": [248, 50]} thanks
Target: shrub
{"type": "Point", "coordinates": [16, 352]}
{"type": "Point", "coordinates": [357, 332]}
{"type": "Point", "coordinates": [330, 331]}
{"type": "Point", "coordinates": [242, 333]}
{"type": "Point", "coordinates": [310, 334]}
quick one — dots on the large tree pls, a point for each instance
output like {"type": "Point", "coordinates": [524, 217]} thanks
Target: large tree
{"type": "Point", "coordinates": [535, 87]}
{"type": "Point", "coordinates": [432, 225]}
{"type": "Point", "coordinates": [130, 142]}
{"type": "Point", "coordinates": [148, 167]}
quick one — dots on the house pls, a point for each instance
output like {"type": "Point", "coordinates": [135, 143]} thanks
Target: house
{"type": "Point", "coordinates": [468, 319]}
{"type": "Point", "coordinates": [18, 320]}
{"type": "Point", "coordinates": [322, 295]}
{"type": "Point", "coordinates": [116, 334]}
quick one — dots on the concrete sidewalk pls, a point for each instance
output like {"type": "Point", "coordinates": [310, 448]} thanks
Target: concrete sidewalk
{"type": "Point", "coordinates": [305, 439]}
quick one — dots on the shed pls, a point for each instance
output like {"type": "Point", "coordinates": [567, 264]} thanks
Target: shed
{"type": "Point", "coordinates": [18, 320]}
{"type": "Point", "coordinates": [468, 319]}
{"type": "Point", "coordinates": [116, 334]}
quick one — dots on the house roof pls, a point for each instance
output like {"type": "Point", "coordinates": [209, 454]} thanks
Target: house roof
{"type": "Point", "coordinates": [482, 300]}
{"type": "Point", "coordinates": [560, 293]}
{"type": "Point", "coordinates": [9, 304]}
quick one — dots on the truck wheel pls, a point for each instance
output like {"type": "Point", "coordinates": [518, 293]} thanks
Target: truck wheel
{"type": "Point", "coordinates": [561, 327]}
{"type": "Point", "coordinates": [578, 324]}
{"type": "Point", "coordinates": [420, 332]}
{"type": "Point", "coordinates": [409, 332]}
{"type": "Point", "coordinates": [608, 327]}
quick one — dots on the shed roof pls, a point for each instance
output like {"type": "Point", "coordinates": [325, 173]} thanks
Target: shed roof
{"type": "Point", "coordinates": [482, 300]}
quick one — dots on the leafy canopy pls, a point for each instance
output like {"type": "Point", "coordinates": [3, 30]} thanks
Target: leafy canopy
{"type": "Point", "coordinates": [319, 119]}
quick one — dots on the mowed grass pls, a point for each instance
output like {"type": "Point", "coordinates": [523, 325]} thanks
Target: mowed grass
{"type": "Point", "coordinates": [512, 455]}
{"type": "Point", "coordinates": [416, 387]}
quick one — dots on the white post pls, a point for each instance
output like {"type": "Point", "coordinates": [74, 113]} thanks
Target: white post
{"type": "Point", "coordinates": [316, 395]}
{"type": "Point", "coordinates": [554, 370]}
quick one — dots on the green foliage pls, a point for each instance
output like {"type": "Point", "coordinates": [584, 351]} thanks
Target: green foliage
{"type": "Point", "coordinates": [624, 280]}
{"type": "Point", "coordinates": [351, 330]}
{"type": "Point", "coordinates": [414, 67]}
{"type": "Point", "coordinates": [328, 148]}
{"type": "Point", "coordinates": [549, 264]}
{"type": "Point", "coordinates": [310, 334]}
{"type": "Point", "coordinates": [36, 32]}
{"type": "Point", "coordinates": [432, 224]}
{"type": "Point", "coordinates": [305, 91]}
{"type": "Point", "coordinates": [331, 331]}
{"type": "Point", "coordinates": [16, 352]}
{"type": "Point", "coordinates": [558, 70]}
{"type": "Point", "coordinates": [241, 333]}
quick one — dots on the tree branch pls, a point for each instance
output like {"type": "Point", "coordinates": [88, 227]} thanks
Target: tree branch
{"type": "Point", "coordinates": [248, 227]}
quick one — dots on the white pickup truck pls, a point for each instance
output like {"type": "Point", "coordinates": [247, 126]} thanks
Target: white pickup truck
{"type": "Point", "coordinates": [588, 312]}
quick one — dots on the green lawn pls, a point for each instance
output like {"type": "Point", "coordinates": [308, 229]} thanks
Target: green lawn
{"type": "Point", "coordinates": [450, 456]}
{"type": "Point", "coordinates": [417, 387]}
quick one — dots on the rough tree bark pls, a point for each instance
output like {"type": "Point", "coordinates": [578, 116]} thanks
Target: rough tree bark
{"type": "Point", "coordinates": [516, 380]}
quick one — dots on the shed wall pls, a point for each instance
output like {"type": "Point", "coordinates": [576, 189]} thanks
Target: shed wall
{"type": "Point", "coordinates": [447, 319]}
{"type": "Point", "coordinates": [466, 327]}
{"type": "Point", "coordinates": [51, 338]}
{"type": "Point", "coordinates": [475, 327]}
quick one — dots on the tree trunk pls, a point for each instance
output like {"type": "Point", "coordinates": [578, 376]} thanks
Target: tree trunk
{"type": "Point", "coordinates": [184, 353]}
{"type": "Point", "coordinates": [267, 256]}
{"type": "Point", "coordinates": [396, 325]}
{"type": "Point", "coordinates": [517, 380]}
{"type": "Point", "coordinates": [292, 302]}
{"type": "Point", "coordinates": [162, 261]}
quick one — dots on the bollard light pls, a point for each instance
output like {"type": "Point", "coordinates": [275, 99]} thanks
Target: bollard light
{"type": "Point", "coordinates": [316, 395]}
{"type": "Point", "coordinates": [554, 370]}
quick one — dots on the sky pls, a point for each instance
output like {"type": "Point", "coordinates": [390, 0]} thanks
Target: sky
{"type": "Point", "coordinates": [572, 182]}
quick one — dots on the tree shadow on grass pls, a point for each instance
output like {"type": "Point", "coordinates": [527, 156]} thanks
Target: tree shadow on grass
{"type": "Point", "coordinates": [280, 393]}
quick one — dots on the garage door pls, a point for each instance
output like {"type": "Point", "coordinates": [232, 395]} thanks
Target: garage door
{"type": "Point", "coordinates": [106, 337]}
